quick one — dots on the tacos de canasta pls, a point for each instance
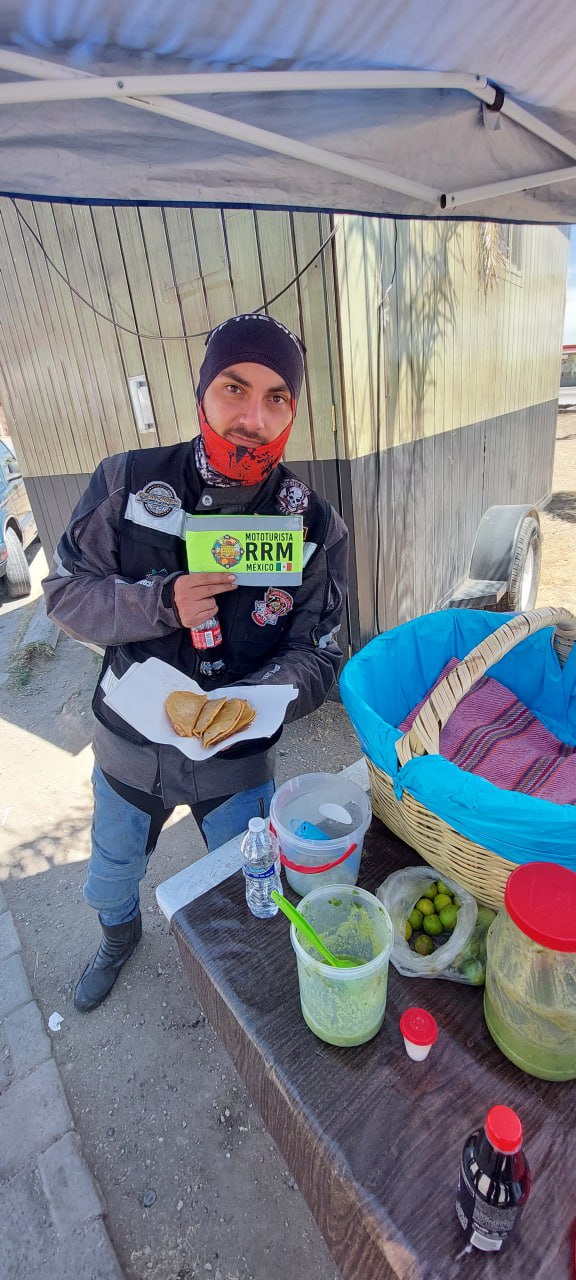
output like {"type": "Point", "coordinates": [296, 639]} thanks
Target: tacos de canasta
{"type": "Point", "coordinates": [210, 720]}
{"type": "Point", "coordinates": [183, 711]}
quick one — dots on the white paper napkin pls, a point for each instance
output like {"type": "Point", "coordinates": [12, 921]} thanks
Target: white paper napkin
{"type": "Point", "coordinates": [140, 695]}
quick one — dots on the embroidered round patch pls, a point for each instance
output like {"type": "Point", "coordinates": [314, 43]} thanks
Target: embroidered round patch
{"type": "Point", "coordinates": [159, 499]}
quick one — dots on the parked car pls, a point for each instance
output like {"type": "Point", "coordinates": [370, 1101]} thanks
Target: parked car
{"type": "Point", "coordinates": [17, 525]}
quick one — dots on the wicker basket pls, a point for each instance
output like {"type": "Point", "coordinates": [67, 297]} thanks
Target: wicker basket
{"type": "Point", "coordinates": [476, 868]}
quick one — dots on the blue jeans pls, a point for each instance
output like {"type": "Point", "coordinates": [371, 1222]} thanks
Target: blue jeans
{"type": "Point", "coordinates": [121, 843]}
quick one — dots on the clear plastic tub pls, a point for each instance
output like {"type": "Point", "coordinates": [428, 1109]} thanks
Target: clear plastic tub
{"type": "Point", "coordinates": [334, 857]}
{"type": "Point", "coordinates": [344, 1006]}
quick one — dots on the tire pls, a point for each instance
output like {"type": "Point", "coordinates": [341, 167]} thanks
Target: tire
{"type": "Point", "coordinates": [18, 580]}
{"type": "Point", "coordinates": [525, 573]}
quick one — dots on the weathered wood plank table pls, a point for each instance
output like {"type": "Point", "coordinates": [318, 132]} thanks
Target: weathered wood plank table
{"type": "Point", "coordinates": [373, 1139]}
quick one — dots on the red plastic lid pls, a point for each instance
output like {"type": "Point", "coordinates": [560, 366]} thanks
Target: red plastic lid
{"type": "Point", "coordinates": [418, 1026]}
{"type": "Point", "coordinates": [540, 898]}
{"type": "Point", "coordinates": [504, 1130]}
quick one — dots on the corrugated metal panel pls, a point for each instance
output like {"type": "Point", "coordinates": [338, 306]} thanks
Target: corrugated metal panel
{"type": "Point", "coordinates": [427, 397]}
{"type": "Point", "coordinates": [160, 273]}
{"type": "Point", "coordinates": [468, 416]}
{"type": "Point", "coordinates": [455, 353]}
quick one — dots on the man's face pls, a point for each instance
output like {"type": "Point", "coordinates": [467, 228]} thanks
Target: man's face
{"type": "Point", "coordinates": [248, 404]}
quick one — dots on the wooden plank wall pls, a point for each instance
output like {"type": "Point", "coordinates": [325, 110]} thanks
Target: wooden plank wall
{"type": "Point", "coordinates": [157, 273]}
{"type": "Point", "coordinates": [451, 393]}
{"type": "Point", "coordinates": [454, 353]}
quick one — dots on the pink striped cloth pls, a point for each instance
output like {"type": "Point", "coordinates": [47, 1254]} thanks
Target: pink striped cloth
{"type": "Point", "coordinates": [493, 734]}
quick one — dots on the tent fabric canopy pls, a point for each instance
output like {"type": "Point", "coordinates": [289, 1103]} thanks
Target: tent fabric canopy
{"type": "Point", "coordinates": [446, 144]}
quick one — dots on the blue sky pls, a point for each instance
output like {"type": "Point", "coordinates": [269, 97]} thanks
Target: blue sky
{"type": "Point", "coordinates": [570, 318]}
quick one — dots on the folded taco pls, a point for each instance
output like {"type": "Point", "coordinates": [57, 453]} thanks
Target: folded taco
{"type": "Point", "coordinates": [183, 710]}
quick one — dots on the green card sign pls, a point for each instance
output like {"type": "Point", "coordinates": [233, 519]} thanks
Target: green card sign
{"type": "Point", "coordinates": [258, 549]}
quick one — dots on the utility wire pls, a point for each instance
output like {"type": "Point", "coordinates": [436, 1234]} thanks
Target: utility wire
{"type": "Point", "coordinates": [158, 337]}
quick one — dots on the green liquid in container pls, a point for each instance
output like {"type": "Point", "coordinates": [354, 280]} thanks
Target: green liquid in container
{"type": "Point", "coordinates": [536, 1059]}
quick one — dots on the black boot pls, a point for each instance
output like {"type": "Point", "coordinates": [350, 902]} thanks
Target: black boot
{"type": "Point", "coordinates": [100, 974]}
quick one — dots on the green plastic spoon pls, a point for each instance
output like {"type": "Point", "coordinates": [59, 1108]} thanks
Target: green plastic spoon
{"type": "Point", "coordinates": [300, 922]}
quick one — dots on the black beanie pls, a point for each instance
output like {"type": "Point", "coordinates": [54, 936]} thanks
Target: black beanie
{"type": "Point", "coordinates": [253, 339]}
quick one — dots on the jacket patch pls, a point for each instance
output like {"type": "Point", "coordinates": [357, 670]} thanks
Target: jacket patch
{"type": "Point", "coordinates": [156, 502]}
{"type": "Point", "coordinates": [276, 604]}
{"type": "Point", "coordinates": [159, 499]}
{"type": "Point", "coordinates": [293, 497]}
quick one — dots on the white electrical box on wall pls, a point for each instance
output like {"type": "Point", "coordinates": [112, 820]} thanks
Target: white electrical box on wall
{"type": "Point", "coordinates": [141, 403]}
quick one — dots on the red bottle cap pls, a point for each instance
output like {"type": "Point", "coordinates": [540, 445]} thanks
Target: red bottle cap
{"type": "Point", "coordinates": [504, 1130]}
{"type": "Point", "coordinates": [540, 898]}
{"type": "Point", "coordinates": [418, 1026]}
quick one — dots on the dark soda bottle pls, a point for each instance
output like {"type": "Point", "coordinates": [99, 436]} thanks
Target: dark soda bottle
{"type": "Point", "coordinates": [494, 1181]}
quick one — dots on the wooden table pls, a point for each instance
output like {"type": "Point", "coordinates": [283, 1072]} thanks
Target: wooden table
{"type": "Point", "coordinates": [373, 1139]}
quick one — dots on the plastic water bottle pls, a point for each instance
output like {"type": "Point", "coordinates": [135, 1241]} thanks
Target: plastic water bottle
{"type": "Point", "coordinates": [261, 869]}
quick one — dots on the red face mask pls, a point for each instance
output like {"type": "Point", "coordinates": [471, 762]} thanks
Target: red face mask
{"type": "Point", "coordinates": [238, 462]}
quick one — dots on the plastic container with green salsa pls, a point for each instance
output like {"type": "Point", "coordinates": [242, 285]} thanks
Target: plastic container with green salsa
{"type": "Point", "coordinates": [344, 1006]}
{"type": "Point", "coordinates": [530, 995]}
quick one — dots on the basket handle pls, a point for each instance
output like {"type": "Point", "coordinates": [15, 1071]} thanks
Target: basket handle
{"type": "Point", "coordinates": [424, 736]}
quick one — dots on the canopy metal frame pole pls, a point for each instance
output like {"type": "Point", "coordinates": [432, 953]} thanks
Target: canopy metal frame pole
{"type": "Point", "coordinates": [191, 83]}
{"type": "Point", "coordinates": [52, 82]}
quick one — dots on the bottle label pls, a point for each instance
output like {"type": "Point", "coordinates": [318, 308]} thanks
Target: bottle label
{"type": "Point", "coordinates": [487, 1225]}
{"type": "Point", "coordinates": [252, 874]}
{"type": "Point", "coordinates": [206, 638]}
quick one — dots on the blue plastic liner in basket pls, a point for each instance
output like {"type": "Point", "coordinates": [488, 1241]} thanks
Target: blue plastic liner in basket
{"type": "Point", "coordinates": [386, 680]}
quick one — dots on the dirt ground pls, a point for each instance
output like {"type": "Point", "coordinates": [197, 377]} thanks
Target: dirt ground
{"type": "Point", "coordinates": [558, 580]}
{"type": "Point", "coordinates": [156, 1101]}
{"type": "Point", "coordinates": [158, 1105]}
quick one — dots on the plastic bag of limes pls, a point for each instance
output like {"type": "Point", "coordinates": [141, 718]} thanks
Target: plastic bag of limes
{"type": "Point", "coordinates": [439, 930]}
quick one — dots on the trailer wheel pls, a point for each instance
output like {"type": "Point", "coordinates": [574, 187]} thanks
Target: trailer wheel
{"type": "Point", "coordinates": [525, 570]}
{"type": "Point", "coordinates": [18, 581]}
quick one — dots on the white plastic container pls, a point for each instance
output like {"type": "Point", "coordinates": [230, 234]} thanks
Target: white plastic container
{"type": "Point", "coordinates": [344, 1006]}
{"type": "Point", "coordinates": [311, 863]}
{"type": "Point", "coordinates": [420, 1031]}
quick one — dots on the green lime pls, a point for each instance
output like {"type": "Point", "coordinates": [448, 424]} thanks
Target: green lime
{"type": "Point", "coordinates": [448, 917]}
{"type": "Point", "coordinates": [423, 945]}
{"type": "Point", "coordinates": [443, 888]}
{"type": "Point", "coordinates": [431, 891]}
{"type": "Point", "coordinates": [485, 917]}
{"type": "Point", "coordinates": [415, 918]}
{"type": "Point", "coordinates": [425, 906]}
{"type": "Point", "coordinates": [442, 900]}
{"type": "Point", "coordinates": [474, 973]}
{"type": "Point", "coordinates": [408, 931]}
{"type": "Point", "coordinates": [433, 925]}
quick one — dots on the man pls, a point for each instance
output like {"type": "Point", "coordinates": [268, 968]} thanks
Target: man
{"type": "Point", "coordinates": [120, 580]}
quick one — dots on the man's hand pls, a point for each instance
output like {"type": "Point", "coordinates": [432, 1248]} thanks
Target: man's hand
{"type": "Point", "coordinates": [195, 594]}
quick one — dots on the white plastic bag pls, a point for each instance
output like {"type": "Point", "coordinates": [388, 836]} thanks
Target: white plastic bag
{"type": "Point", "coordinates": [399, 893]}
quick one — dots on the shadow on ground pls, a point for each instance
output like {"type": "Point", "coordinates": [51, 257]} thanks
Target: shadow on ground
{"type": "Point", "coordinates": [156, 1101]}
{"type": "Point", "coordinates": [562, 506]}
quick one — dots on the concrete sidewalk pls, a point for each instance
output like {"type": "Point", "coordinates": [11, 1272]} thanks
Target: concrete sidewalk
{"type": "Point", "coordinates": [50, 1207]}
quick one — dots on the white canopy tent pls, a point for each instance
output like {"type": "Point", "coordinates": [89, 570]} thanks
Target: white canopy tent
{"type": "Point", "coordinates": [451, 109]}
